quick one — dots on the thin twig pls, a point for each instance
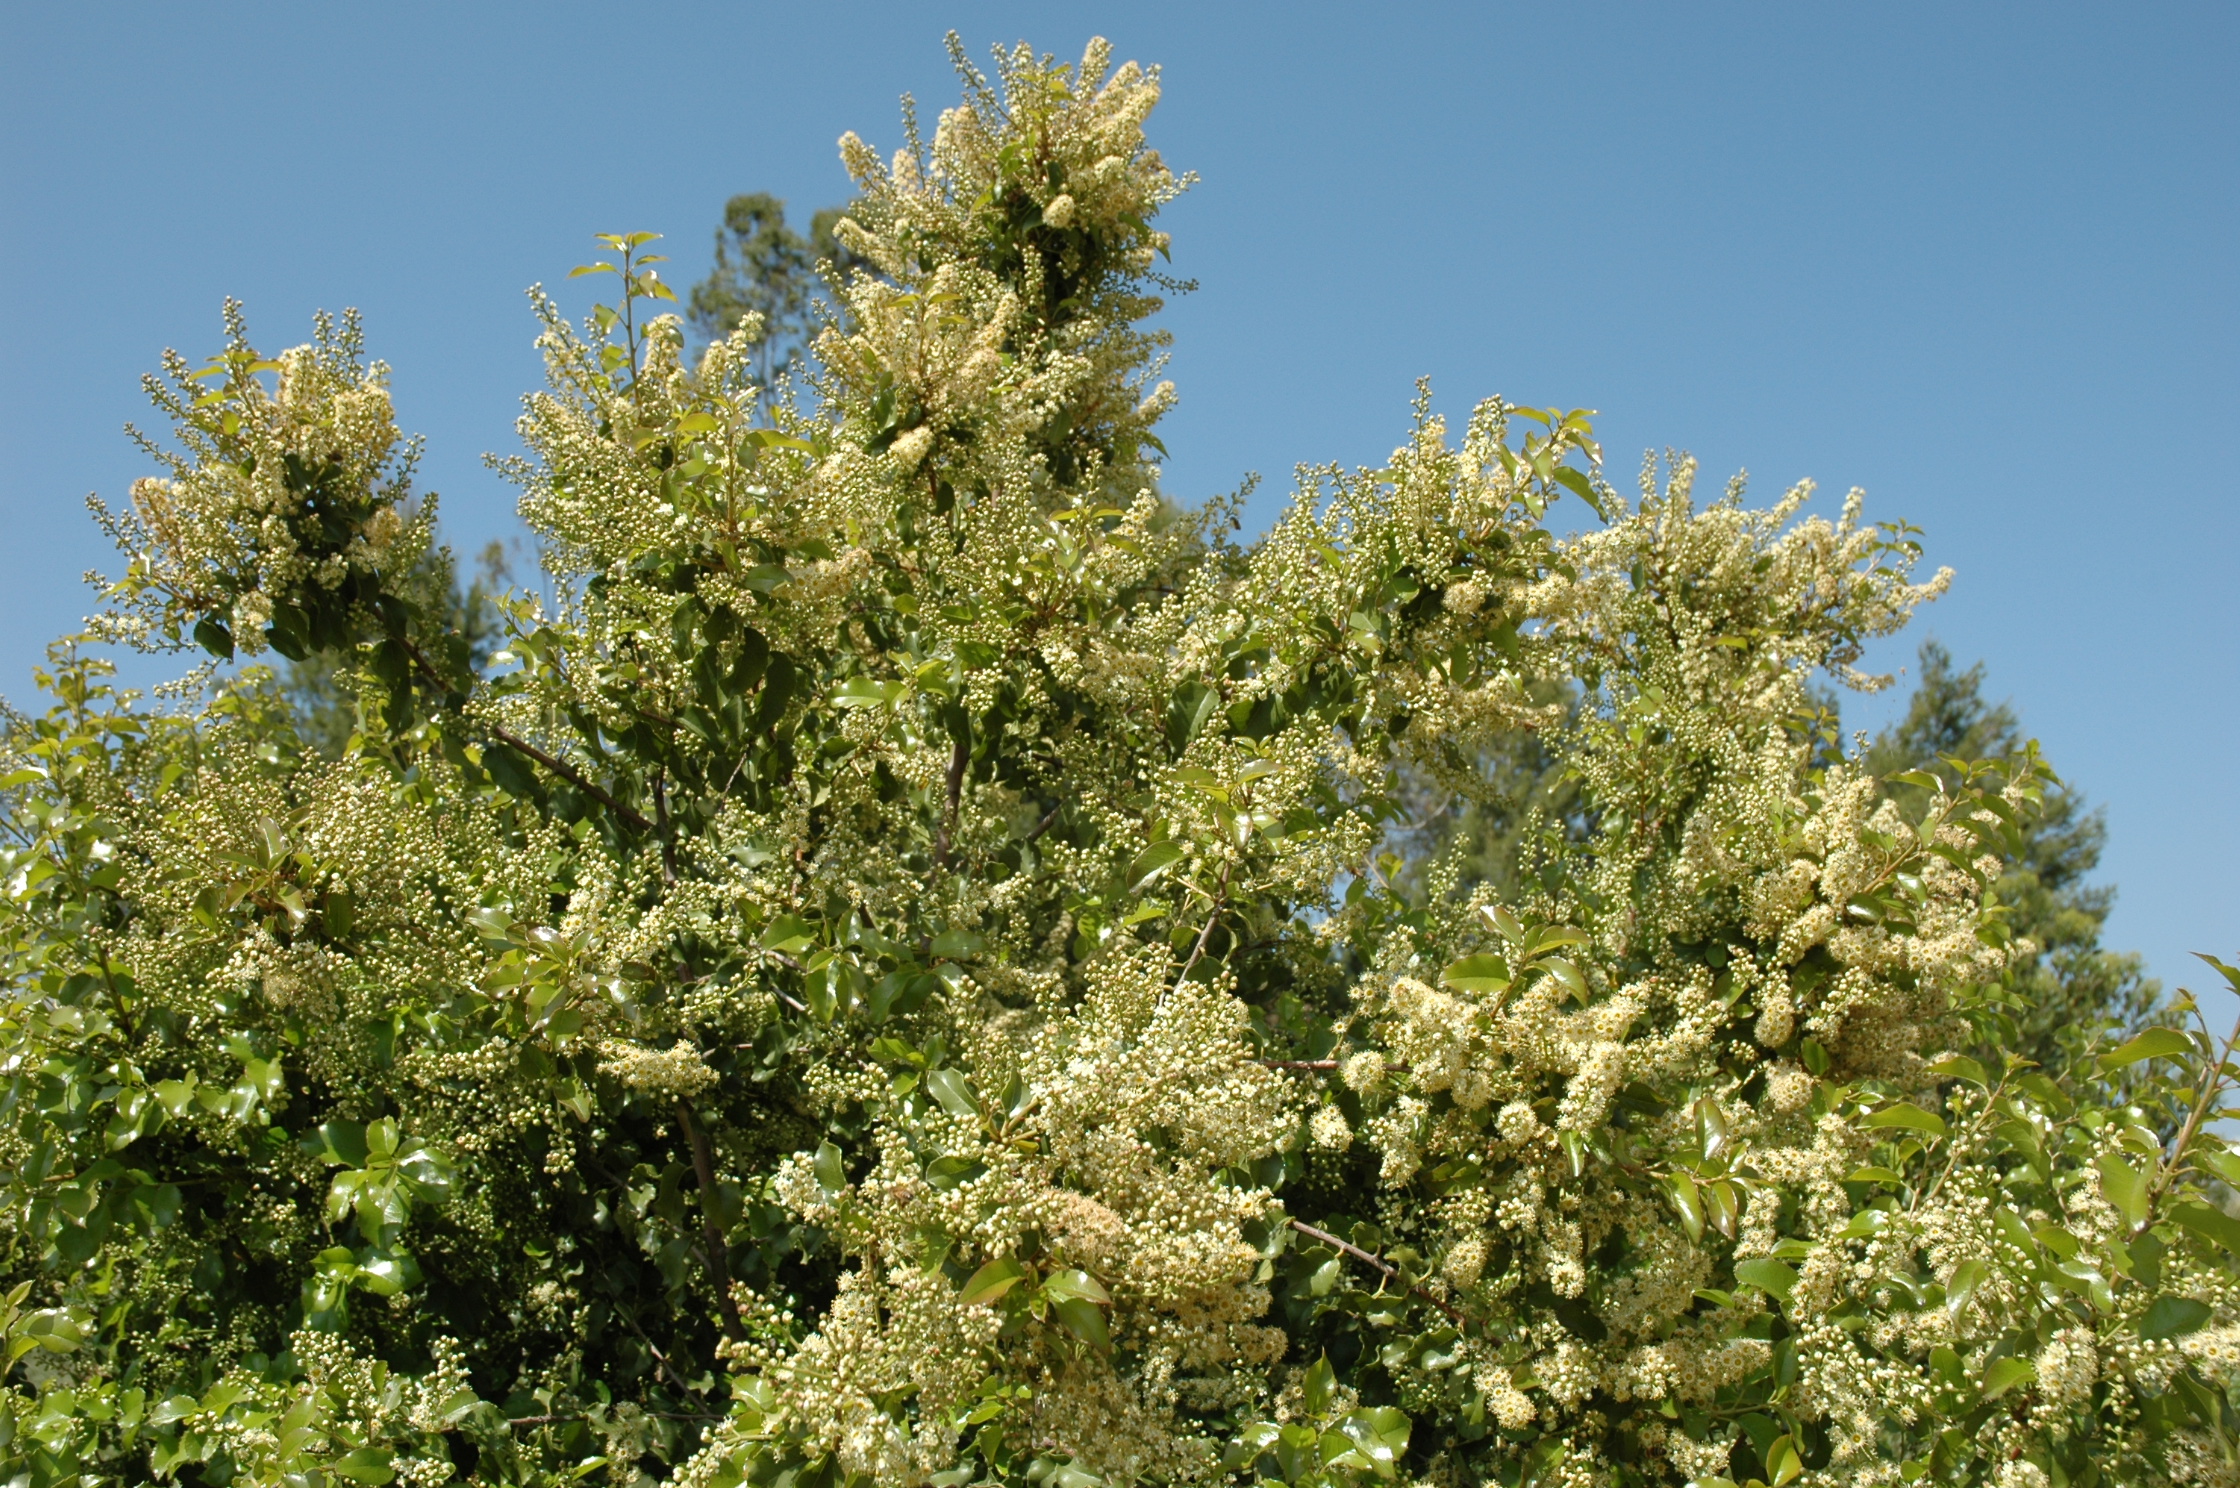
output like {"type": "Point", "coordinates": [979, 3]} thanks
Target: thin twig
{"type": "Point", "coordinates": [1042, 826]}
{"type": "Point", "coordinates": [1299, 1064]}
{"type": "Point", "coordinates": [2212, 1080]}
{"type": "Point", "coordinates": [711, 1234]}
{"type": "Point", "coordinates": [555, 1420]}
{"type": "Point", "coordinates": [1220, 902]}
{"type": "Point", "coordinates": [570, 774]}
{"type": "Point", "coordinates": [661, 828]}
{"type": "Point", "coordinates": [1391, 1272]}
{"type": "Point", "coordinates": [512, 740]}
{"type": "Point", "coordinates": [654, 1349]}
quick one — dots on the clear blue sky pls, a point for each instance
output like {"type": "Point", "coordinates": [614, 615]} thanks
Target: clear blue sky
{"type": "Point", "coordinates": [1980, 260]}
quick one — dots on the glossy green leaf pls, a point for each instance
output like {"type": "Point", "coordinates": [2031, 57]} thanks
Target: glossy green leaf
{"type": "Point", "coordinates": [1152, 862]}
{"type": "Point", "coordinates": [2173, 1317]}
{"type": "Point", "coordinates": [1768, 1275]}
{"type": "Point", "coordinates": [1084, 1319]}
{"type": "Point", "coordinates": [2125, 1186]}
{"type": "Point", "coordinates": [1069, 1284]}
{"type": "Point", "coordinates": [2154, 1043]}
{"type": "Point", "coordinates": [2211, 1224]}
{"type": "Point", "coordinates": [1908, 1116]}
{"type": "Point", "coordinates": [831, 1174]}
{"type": "Point", "coordinates": [991, 1281]}
{"type": "Point", "coordinates": [1478, 974]}
{"type": "Point", "coordinates": [954, 1092]}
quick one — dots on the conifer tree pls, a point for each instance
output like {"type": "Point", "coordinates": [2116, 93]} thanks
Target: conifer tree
{"type": "Point", "coordinates": [2070, 991]}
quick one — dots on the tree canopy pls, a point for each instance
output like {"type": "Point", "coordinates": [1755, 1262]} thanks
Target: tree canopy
{"type": "Point", "coordinates": [899, 971]}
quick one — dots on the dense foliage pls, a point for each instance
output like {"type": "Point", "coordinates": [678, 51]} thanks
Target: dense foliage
{"type": "Point", "coordinates": [899, 974]}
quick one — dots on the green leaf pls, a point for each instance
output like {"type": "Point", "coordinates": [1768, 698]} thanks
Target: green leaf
{"type": "Point", "coordinates": [789, 935]}
{"type": "Point", "coordinates": [1960, 1067]}
{"type": "Point", "coordinates": [832, 1174]}
{"type": "Point", "coordinates": [992, 1281]}
{"type": "Point", "coordinates": [212, 635]}
{"type": "Point", "coordinates": [1320, 1385]}
{"type": "Point", "coordinates": [945, 1173]}
{"type": "Point", "coordinates": [1768, 1275]}
{"type": "Point", "coordinates": [1483, 973]}
{"type": "Point", "coordinates": [1082, 1318]}
{"type": "Point", "coordinates": [2125, 1187]}
{"type": "Point", "coordinates": [1783, 1465]}
{"type": "Point", "coordinates": [954, 1092]}
{"type": "Point", "coordinates": [1687, 1199]}
{"type": "Point", "coordinates": [385, 1273]}
{"type": "Point", "coordinates": [2173, 1317]}
{"type": "Point", "coordinates": [1966, 1277]}
{"type": "Point", "coordinates": [56, 1330]}
{"type": "Point", "coordinates": [1070, 1284]}
{"type": "Point", "coordinates": [1380, 1434]}
{"type": "Point", "coordinates": [2210, 1224]}
{"type": "Point", "coordinates": [2005, 1374]}
{"type": "Point", "coordinates": [1574, 480]}
{"type": "Point", "coordinates": [1909, 1116]}
{"type": "Point", "coordinates": [863, 692]}
{"type": "Point", "coordinates": [1153, 861]}
{"type": "Point", "coordinates": [368, 1465]}
{"type": "Point", "coordinates": [2154, 1043]}
{"type": "Point", "coordinates": [2224, 1164]}
{"type": "Point", "coordinates": [341, 1143]}
{"type": "Point", "coordinates": [956, 945]}
{"type": "Point", "coordinates": [1574, 984]}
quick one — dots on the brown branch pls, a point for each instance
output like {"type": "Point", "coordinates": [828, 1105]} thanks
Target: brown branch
{"type": "Point", "coordinates": [570, 774]}
{"type": "Point", "coordinates": [555, 1420]}
{"type": "Point", "coordinates": [2212, 1082]}
{"type": "Point", "coordinates": [1220, 903]}
{"type": "Point", "coordinates": [1042, 826]}
{"type": "Point", "coordinates": [958, 759]}
{"type": "Point", "coordinates": [654, 1349]}
{"type": "Point", "coordinates": [711, 1234]}
{"type": "Point", "coordinates": [1299, 1064]}
{"type": "Point", "coordinates": [1391, 1272]}
{"type": "Point", "coordinates": [661, 826]}
{"type": "Point", "coordinates": [512, 740]}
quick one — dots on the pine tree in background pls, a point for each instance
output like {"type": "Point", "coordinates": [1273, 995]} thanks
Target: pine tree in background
{"type": "Point", "coordinates": [1478, 822]}
{"type": "Point", "coordinates": [763, 267]}
{"type": "Point", "coordinates": [2073, 990]}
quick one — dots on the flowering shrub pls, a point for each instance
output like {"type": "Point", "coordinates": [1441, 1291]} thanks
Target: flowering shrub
{"type": "Point", "coordinates": [896, 975]}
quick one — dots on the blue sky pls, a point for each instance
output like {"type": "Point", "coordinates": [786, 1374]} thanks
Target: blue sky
{"type": "Point", "coordinates": [1979, 260]}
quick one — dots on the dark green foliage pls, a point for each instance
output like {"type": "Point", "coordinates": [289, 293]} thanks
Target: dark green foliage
{"type": "Point", "coordinates": [321, 686]}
